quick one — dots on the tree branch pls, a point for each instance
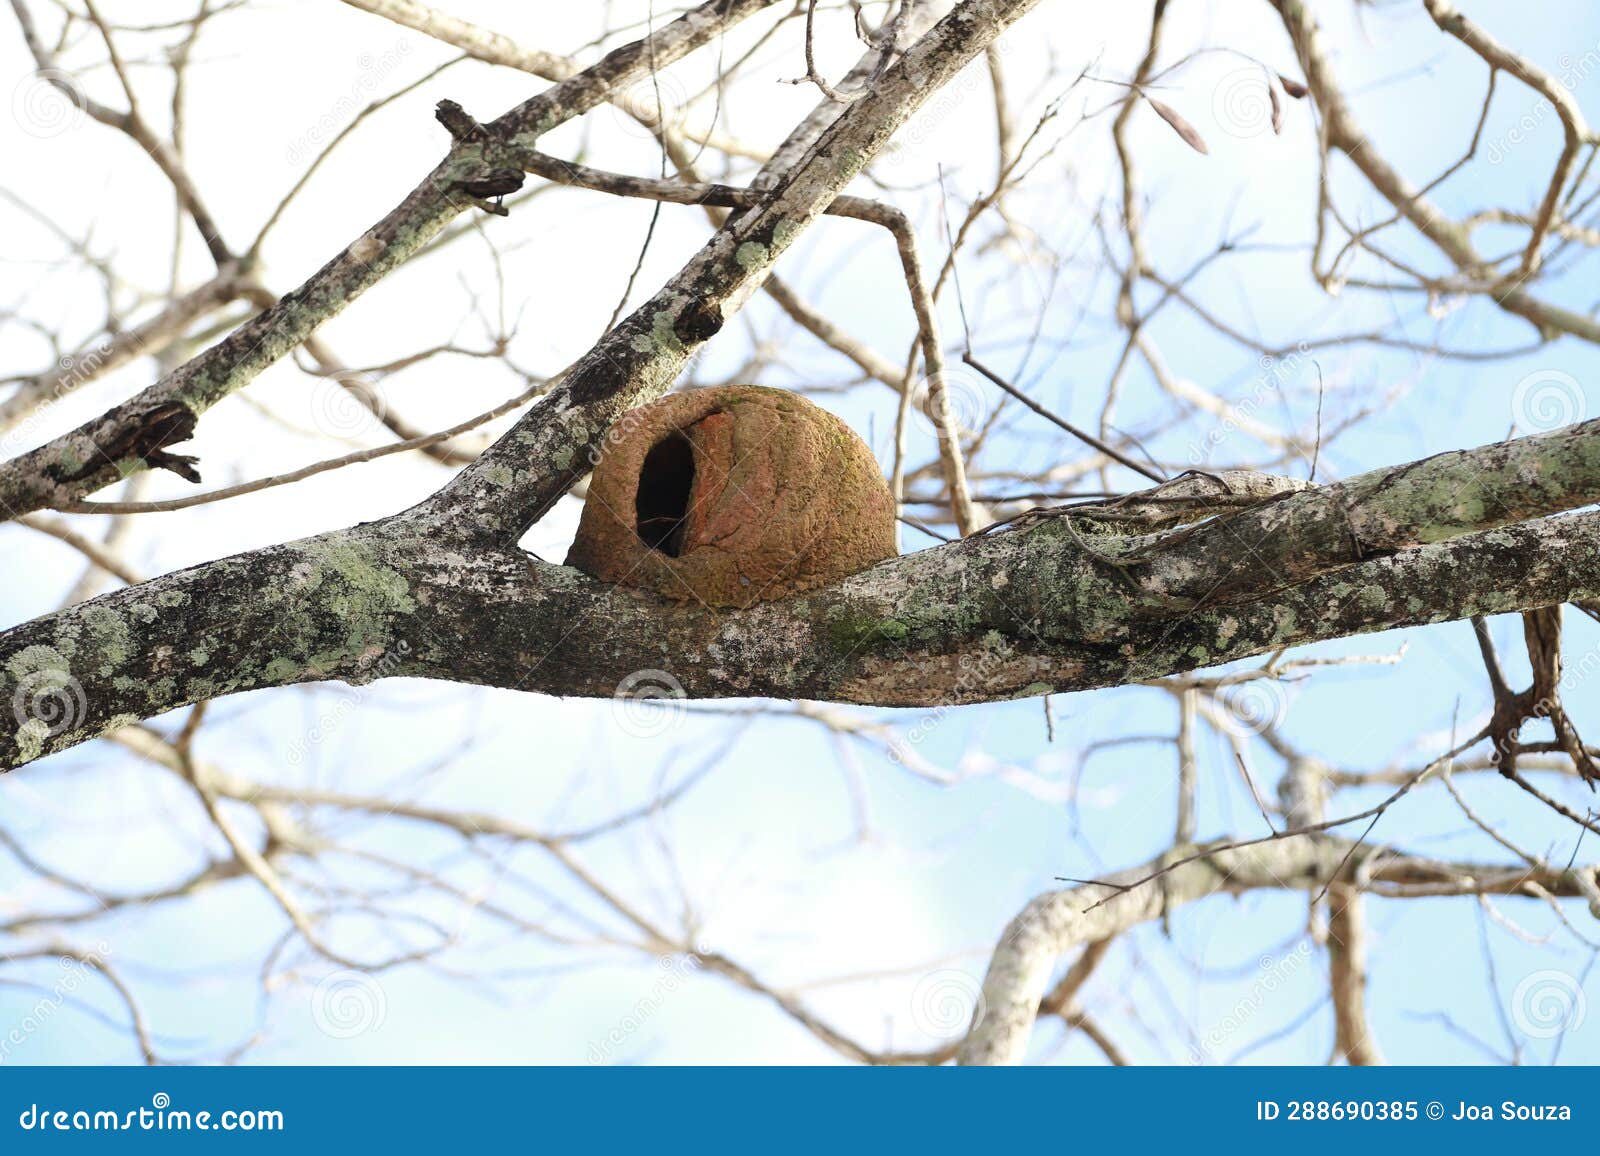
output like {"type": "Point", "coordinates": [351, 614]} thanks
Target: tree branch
{"type": "Point", "coordinates": [131, 435]}
{"type": "Point", "coordinates": [1023, 612]}
{"type": "Point", "coordinates": [1058, 921]}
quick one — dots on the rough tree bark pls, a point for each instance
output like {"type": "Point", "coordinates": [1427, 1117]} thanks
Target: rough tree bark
{"type": "Point", "coordinates": [1055, 606]}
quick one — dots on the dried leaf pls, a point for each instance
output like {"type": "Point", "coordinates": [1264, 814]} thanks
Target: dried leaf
{"type": "Point", "coordinates": [1277, 110]}
{"type": "Point", "coordinates": [1293, 87]}
{"type": "Point", "coordinates": [1182, 127]}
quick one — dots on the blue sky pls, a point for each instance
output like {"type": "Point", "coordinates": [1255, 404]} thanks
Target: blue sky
{"type": "Point", "coordinates": [809, 858]}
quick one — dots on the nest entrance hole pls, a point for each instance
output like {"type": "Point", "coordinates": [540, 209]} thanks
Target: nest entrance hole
{"type": "Point", "coordinates": [666, 482]}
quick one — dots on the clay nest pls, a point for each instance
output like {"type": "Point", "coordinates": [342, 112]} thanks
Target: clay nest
{"type": "Point", "coordinates": [731, 496]}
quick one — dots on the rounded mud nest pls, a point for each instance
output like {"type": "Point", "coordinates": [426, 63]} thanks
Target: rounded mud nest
{"type": "Point", "coordinates": [733, 495]}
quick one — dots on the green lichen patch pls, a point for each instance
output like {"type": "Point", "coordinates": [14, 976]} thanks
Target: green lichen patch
{"type": "Point", "coordinates": [348, 578]}
{"type": "Point", "coordinates": [31, 659]}
{"type": "Point", "coordinates": [30, 739]}
{"type": "Point", "coordinates": [850, 634]}
{"type": "Point", "coordinates": [106, 636]}
{"type": "Point", "coordinates": [752, 255]}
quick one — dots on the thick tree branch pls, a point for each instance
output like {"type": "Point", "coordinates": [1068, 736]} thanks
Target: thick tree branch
{"type": "Point", "coordinates": [1029, 611]}
{"type": "Point", "coordinates": [128, 437]}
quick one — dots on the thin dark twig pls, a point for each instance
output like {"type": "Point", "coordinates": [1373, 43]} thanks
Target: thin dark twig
{"type": "Point", "coordinates": [1316, 449]}
{"type": "Point", "coordinates": [1308, 829]}
{"type": "Point", "coordinates": [1081, 435]}
{"type": "Point", "coordinates": [915, 524]}
{"type": "Point", "coordinates": [1554, 804]}
{"type": "Point", "coordinates": [1255, 792]}
{"type": "Point", "coordinates": [955, 266]}
{"type": "Point", "coordinates": [1354, 847]}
